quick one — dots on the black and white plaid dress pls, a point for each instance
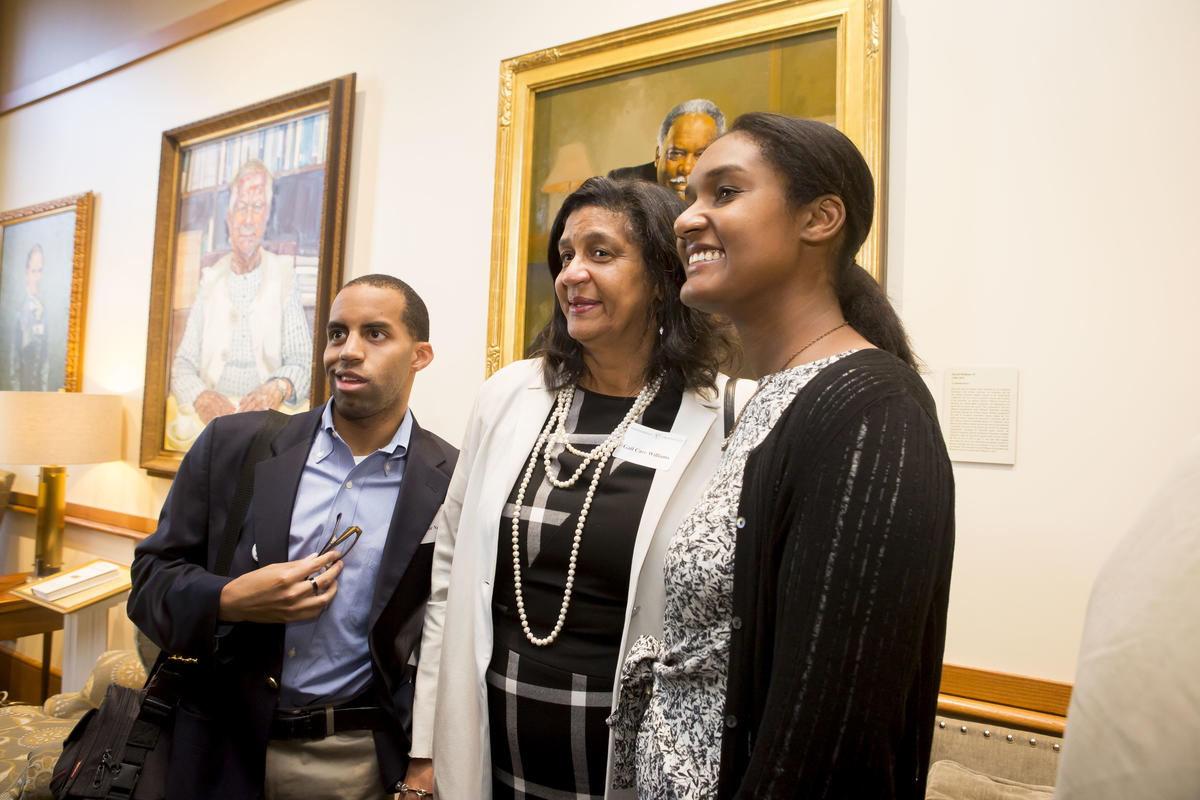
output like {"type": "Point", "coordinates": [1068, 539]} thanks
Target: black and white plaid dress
{"type": "Point", "coordinates": [547, 705]}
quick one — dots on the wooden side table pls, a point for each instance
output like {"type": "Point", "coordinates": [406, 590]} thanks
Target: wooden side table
{"type": "Point", "coordinates": [20, 617]}
{"type": "Point", "coordinates": [84, 620]}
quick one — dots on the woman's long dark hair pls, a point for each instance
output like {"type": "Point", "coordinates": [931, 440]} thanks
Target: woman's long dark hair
{"type": "Point", "coordinates": [692, 345]}
{"type": "Point", "coordinates": [816, 159]}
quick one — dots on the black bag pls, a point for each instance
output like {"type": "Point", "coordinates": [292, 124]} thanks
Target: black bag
{"type": "Point", "coordinates": [120, 750]}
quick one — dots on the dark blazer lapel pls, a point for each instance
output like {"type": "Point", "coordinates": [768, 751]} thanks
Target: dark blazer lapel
{"type": "Point", "coordinates": [276, 481]}
{"type": "Point", "coordinates": [421, 493]}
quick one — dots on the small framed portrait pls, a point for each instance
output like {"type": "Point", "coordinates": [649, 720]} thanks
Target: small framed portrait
{"type": "Point", "coordinates": [248, 249]}
{"type": "Point", "coordinates": [645, 102]}
{"type": "Point", "coordinates": [44, 255]}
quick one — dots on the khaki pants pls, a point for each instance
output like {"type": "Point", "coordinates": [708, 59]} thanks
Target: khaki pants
{"type": "Point", "coordinates": [339, 767]}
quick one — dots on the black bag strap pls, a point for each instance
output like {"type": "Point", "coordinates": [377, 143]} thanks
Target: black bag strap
{"type": "Point", "coordinates": [260, 448]}
{"type": "Point", "coordinates": [159, 699]}
{"type": "Point", "coordinates": [730, 405]}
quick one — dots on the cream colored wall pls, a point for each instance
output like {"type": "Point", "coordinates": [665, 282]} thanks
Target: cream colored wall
{"type": "Point", "coordinates": [1043, 194]}
{"type": "Point", "coordinates": [1041, 183]}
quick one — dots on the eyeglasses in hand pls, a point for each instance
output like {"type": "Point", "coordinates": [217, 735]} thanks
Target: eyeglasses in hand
{"type": "Point", "coordinates": [337, 539]}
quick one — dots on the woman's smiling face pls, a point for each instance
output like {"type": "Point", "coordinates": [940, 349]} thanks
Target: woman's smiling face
{"type": "Point", "coordinates": [602, 288]}
{"type": "Point", "coordinates": [739, 237]}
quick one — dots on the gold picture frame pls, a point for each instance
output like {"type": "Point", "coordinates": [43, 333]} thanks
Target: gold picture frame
{"type": "Point", "coordinates": [43, 312]}
{"type": "Point", "coordinates": [290, 228]}
{"type": "Point", "coordinates": [844, 41]}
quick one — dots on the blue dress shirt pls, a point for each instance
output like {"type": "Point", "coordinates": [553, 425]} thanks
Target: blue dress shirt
{"type": "Point", "coordinates": [327, 659]}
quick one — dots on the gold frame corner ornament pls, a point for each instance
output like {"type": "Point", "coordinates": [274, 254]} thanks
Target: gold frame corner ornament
{"type": "Point", "coordinates": [862, 31]}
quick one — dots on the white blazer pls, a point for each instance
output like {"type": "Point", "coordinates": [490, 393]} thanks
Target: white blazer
{"type": "Point", "coordinates": [450, 719]}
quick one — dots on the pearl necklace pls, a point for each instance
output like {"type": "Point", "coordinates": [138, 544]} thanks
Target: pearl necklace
{"type": "Point", "coordinates": [555, 431]}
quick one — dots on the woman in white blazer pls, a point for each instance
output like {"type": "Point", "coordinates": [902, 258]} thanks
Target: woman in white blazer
{"type": "Point", "coordinates": [548, 562]}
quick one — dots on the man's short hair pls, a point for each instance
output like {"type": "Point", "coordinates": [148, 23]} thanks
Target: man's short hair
{"type": "Point", "coordinates": [251, 166]}
{"type": "Point", "coordinates": [416, 315]}
{"type": "Point", "coordinates": [697, 106]}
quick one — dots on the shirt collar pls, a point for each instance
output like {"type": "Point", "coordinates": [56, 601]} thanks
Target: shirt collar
{"type": "Point", "coordinates": [397, 447]}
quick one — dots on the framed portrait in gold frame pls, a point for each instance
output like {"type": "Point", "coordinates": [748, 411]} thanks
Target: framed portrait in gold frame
{"type": "Point", "coordinates": [605, 105]}
{"type": "Point", "coordinates": [45, 250]}
{"type": "Point", "coordinates": [249, 244]}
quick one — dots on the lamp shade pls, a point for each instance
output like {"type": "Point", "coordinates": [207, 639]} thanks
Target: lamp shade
{"type": "Point", "coordinates": [571, 168]}
{"type": "Point", "coordinates": [59, 428]}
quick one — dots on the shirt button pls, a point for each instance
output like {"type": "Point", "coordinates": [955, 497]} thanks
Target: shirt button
{"type": "Point", "coordinates": [636, 609]}
{"type": "Point", "coordinates": [736, 623]}
{"type": "Point", "coordinates": [387, 467]}
{"type": "Point", "coordinates": [730, 721]}
{"type": "Point", "coordinates": [349, 484]}
{"type": "Point", "coordinates": [292, 653]}
{"type": "Point", "coordinates": [272, 683]}
{"type": "Point", "coordinates": [741, 522]}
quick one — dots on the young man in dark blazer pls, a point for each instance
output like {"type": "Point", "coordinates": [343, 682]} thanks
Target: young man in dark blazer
{"type": "Point", "coordinates": [306, 658]}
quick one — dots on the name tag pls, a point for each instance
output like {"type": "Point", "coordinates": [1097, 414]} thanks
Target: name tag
{"type": "Point", "coordinates": [648, 447]}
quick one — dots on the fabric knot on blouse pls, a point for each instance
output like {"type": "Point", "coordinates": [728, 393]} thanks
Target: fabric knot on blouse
{"type": "Point", "coordinates": [636, 686]}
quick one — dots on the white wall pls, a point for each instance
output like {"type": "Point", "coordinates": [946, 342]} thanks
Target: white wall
{"type": "Point", "coordinates": [1042, 176]}
{"type": "Point", "coordinates": [1044, 179]}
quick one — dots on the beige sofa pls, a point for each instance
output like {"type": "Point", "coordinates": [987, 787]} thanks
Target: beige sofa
{"type": "Point", "coordinates": [974, 759]}
{"type": "Point", "coordinates": [31, 736]}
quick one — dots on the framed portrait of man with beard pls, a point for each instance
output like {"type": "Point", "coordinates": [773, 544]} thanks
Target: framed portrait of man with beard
{"type": "Point", "coordinates": [249, 245]}
{"type": "Point", "coordinates": [644, 103]}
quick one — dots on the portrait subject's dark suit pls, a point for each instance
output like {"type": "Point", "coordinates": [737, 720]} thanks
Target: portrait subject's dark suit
{"type": "Point", "coordinates": [642, 172]}
{"type": "Point", "coordinates": [221, 726]}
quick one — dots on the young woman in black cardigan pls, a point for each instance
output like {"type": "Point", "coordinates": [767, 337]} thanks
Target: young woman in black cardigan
{"type": "Point", "coordinates": [806, 594]}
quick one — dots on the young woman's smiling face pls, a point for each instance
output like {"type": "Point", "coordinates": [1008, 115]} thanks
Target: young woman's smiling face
{"type": "Point", "coordinates": [739, 238]}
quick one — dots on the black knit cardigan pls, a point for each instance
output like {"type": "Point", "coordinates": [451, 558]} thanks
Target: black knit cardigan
{"type": "Point", "coordinates": [841, 579]}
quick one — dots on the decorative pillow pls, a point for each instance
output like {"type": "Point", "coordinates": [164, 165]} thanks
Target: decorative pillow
{"type": "Point", "coordinates": [122, 667]}
{"type": "Point", "coordinates": [65, 706]}
{"type": "Point", "coordinates": [34, 783]}
{"type": "Point", "coordinates": [949, 780]}
{"type": "Point", "coordinates": [27, 736]}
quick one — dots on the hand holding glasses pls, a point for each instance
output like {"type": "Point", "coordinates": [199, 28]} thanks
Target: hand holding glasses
{"type": "Point", "coordinates": [336, 540]}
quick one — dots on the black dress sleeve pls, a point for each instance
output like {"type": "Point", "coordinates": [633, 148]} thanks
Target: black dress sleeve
{"type": "Point", "coordinates": [863, 542]}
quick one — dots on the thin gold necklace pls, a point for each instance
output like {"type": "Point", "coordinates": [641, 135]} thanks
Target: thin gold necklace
{"type": "Point", "coordinates": [789, 360]}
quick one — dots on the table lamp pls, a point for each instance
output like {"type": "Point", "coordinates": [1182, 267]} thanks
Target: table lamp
{"type": "Point", "coordinates": [55, 428]}
{"type": "Point", "coordinates": [570, 169]}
